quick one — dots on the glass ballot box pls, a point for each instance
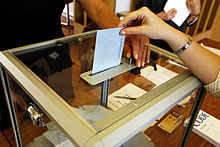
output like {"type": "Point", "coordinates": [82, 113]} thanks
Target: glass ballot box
{"type": "Point", "coordinates": [54, 100]}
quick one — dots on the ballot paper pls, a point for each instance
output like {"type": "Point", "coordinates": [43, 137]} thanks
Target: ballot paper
{"type": "Point", "coordinates": [56, 137]}
{"type": "Point", "coordinates": [108, 49]}
{"type": "Point", "coordinates": [92, 113]}
{"type": "Point", "coordinates": [157, 77]}
{"type": "Point", "coordinates": [128, 91]}
{"type": "Point", "coordinates": [182, 10]}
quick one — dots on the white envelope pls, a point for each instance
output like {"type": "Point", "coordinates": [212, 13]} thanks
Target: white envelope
{"type": "Point", "coordinates": [182, 10]}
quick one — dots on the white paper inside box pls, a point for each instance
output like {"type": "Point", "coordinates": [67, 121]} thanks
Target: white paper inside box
{"type": "Point", "coordinates": [207, 127]}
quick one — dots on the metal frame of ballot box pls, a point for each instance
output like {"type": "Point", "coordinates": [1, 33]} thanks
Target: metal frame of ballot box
{"type": "Point", "coordinates": [115, 128]}
{"type": "Point", "coordinates": [105, 76]}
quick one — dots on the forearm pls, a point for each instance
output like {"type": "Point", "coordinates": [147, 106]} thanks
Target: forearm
{"type": "Point", "coordinates": [203, 63]}
{"type": "Point", "coordinates": [100, 13]}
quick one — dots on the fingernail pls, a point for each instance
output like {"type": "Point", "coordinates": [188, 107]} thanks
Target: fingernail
{"type": "Point", "coordinates": [123, 32]}
{"type": "Point", "coordinates": [136, 57]}
{"type": "Point", "coordinates": [139, 64]}
{"type": "Point", "coordinates": [142, 64]}
{"type": "Point", "coordinates": [128, 55]}
{"type": "Point", "coordinates": [148, 60]}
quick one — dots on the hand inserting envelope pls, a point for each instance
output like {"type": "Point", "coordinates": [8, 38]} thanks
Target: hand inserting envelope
{"type": "Point", "coordinates": [108, 49]}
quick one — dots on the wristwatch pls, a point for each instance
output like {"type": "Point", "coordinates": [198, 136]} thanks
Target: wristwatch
{"type": "Point", "coordinates": [180, 51]}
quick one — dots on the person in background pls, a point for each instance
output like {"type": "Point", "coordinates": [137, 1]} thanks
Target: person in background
{"type": "Point", "coordinates": [27, 22]}
{"type": "Point", "coordinates": [157, 7]}
{"type": "Point", "coordinates": [203, 63]}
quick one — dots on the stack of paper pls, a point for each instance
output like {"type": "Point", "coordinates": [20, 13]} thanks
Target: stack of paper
{"type": "Point", "coordinates": [157, 77]}
{"type": "Point", "coordinates": [52, 137]}
{"type": "Point", "coordinates": [92, 113]}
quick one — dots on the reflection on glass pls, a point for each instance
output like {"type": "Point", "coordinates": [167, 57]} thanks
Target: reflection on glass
{"type": "Point", "coordinates": [60, 68]}
{"type": "Point", "coordinates": [29, 128]}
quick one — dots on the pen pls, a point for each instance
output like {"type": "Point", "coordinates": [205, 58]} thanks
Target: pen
{"type": "Point", "coordinates": [124, 97]}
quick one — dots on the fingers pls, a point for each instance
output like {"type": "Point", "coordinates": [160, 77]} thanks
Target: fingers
{"type": "Point", "coordinates": [167, 15]}
{"type": "Point", "coordinates": [190, 4]}
{"type": "Point", "coordinates": [127, 48]}
{"type": "Point", "coordinates": [135, 47]}
{"type": "Point", "coordinates": [171, 14]}
{"type": "Point", "coordinates": [194, 6]}
{"type": "Point", "coordinates": [147, 45]}
{"type": "Point", "coordinates": [140, 51]}
{"type": "Point", "coordinates": [133, 30]}
{"type": "Point", "coordinates": [132, 17]}
{"type": "Point", "coordinates": [128, 19]}
{"type": "Point", "coordinates": [143, 50]}
{"type": "Point", "coordinates": [170, 11]}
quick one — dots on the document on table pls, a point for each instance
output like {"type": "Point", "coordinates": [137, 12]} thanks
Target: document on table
{"type": "Point", "coordinates": [182, 10]}
{"type": "Point", "coordinates": [108, 49]}
{"type": "Point", "coordinates": [157, 77]}
{"type": "Point", "coordinates": [129, 91]}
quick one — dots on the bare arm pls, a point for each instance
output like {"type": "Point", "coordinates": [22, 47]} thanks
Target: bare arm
{"type": "Point", "coordinates": [203, 63]}
{"type": "Point", "coordinates": [100, 13]}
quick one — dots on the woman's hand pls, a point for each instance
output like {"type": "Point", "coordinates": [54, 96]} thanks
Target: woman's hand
{"type": "Point", "coordinates": [167, 15]}
{"type": "Point", "coordinates": [194, 6]}
{"type": "Point", "coordinates": [139, 47]}
{"type": "Point", "coordinates": [150, 24]}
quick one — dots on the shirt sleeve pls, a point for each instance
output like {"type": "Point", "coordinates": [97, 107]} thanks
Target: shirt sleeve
{"type": "Point", "coordinates": [214, 87]}
{"type": "Point", "coordinates": [193, 22]}
{"type": "Point", "coordinates": [144, 3]}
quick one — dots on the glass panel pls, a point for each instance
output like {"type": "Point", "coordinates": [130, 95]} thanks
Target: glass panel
{"type": "Point", "coordinates": [129, 86]}
{"type": "Point", "coordinates": [35, 128]}
{"type": "Point", "coordinates": [162, 138]}
{"type": "Point", "coordinates": [60, 67]}
{"type": "Point", "coordinates": [142, 80]}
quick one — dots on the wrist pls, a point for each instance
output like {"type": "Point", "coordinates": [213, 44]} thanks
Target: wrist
{"type": "Point", "coordinates": [181, 50]}
{"type": "Point", "coordinates": [191, 20]}
{"type": "Point", "coordinates": [176, 39]}
{"type": "Point", "coordinates": [160, 15]}
{"type": "Point", "coordinates": [193, 17]}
